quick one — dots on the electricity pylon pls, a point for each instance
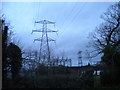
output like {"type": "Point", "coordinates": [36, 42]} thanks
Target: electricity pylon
{"type": "Point", "coordinates": [44, 53]}
{"type": "Point", "coordinates": [80, 63]}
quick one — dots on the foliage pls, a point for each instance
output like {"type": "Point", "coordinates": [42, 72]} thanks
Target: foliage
{"type": "Point", "coordinates": [53, 81]}
{"type": "Point", "coordinates": [56, 70]}
{"type": "Point", "coordinates": [111, 56]}
{"type": "Point", "coordinates": [57, 81]}
{"type": "Point", "coordinates": [97, 81]}
{"type": "Point", "coordinates": [15, 55]}
{"type": "Point", "coordinates": [61, 70]}
{"type": "Point", "coordinates": [106, 40]}
{"type": "Point", "coordinates": [41, 70]}
{"type": "Point", "coordinates": [108, 33]}
{"type": "Point", "coordinates": [88, 78]}
{"type": "Point", "coordinates": [110, 79]}
{"type": "Point", "coordinates": [11, 55]}
{"type": "Point", "coordinates": [4, 48]}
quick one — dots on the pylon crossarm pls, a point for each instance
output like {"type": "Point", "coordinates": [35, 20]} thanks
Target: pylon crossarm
{"type": "Point", "coordinates": [48, 22]}
{"type": "Point", "coordinates": [45, 22]}
{"type": "Point", "coordinates": [39, 30]}
{"type": "Point", "coordinates": [50, 39]}
{"type": "Point", "coordinates": [49, 30]}
{"type": "Point", "coordinates": [42, 22]}
{"type": "Point", "coordinates": [39, 39]}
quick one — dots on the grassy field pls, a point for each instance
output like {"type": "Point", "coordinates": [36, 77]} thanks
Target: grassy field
{"type": "Point", "coordinates": [97, 81]}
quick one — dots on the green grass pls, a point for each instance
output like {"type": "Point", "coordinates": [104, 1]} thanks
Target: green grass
{"type": "Point", "coordinates": [97, 81]}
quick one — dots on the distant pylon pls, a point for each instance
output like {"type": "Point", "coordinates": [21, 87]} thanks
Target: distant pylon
{"type": "Point", "coordinates": [44, 52]}
{"type": "Point", "coordinates": [80, 63]}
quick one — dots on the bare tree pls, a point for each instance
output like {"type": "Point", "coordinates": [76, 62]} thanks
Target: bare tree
{"type": "Point", "coordinates": [106, 37]}
{"type": "Point", "coordinates": [108, 33]}
{"type": "Point", "coordinates": [88, 56]}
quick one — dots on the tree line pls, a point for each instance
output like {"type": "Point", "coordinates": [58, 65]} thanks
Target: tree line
{"type": "Point", "coordinates": [11, 54]}
{"type": "Point", "coordinates": [106, 40]}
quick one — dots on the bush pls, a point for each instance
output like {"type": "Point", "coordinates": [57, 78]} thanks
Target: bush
{"type": "Point", "coordinates": [88, 79]}
{"type": "Point", "coordinates": [55, 81]}
{"type": "Point", "coordinates": [110, 79]}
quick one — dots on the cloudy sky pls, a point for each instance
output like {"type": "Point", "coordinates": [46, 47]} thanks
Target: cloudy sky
{"type": "Point", "coordinates": [74, 22]}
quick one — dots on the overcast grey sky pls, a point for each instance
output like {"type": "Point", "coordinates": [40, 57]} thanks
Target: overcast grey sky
{"type": "Point", "coordinates": [74, 22]}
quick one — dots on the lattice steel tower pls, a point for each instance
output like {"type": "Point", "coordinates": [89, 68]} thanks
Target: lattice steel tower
{"type": "Point", "coordinates": [44, 52]}
{"type": "Point", "coordinates": [80, 63]}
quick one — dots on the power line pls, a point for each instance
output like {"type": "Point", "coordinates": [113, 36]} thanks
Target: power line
{"type": "Point", "coordinates": [73, 19]}
{"type": "Point", "coordinates": [68, 16]}
{"type": "Point", "coordinates": [63, 10]}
